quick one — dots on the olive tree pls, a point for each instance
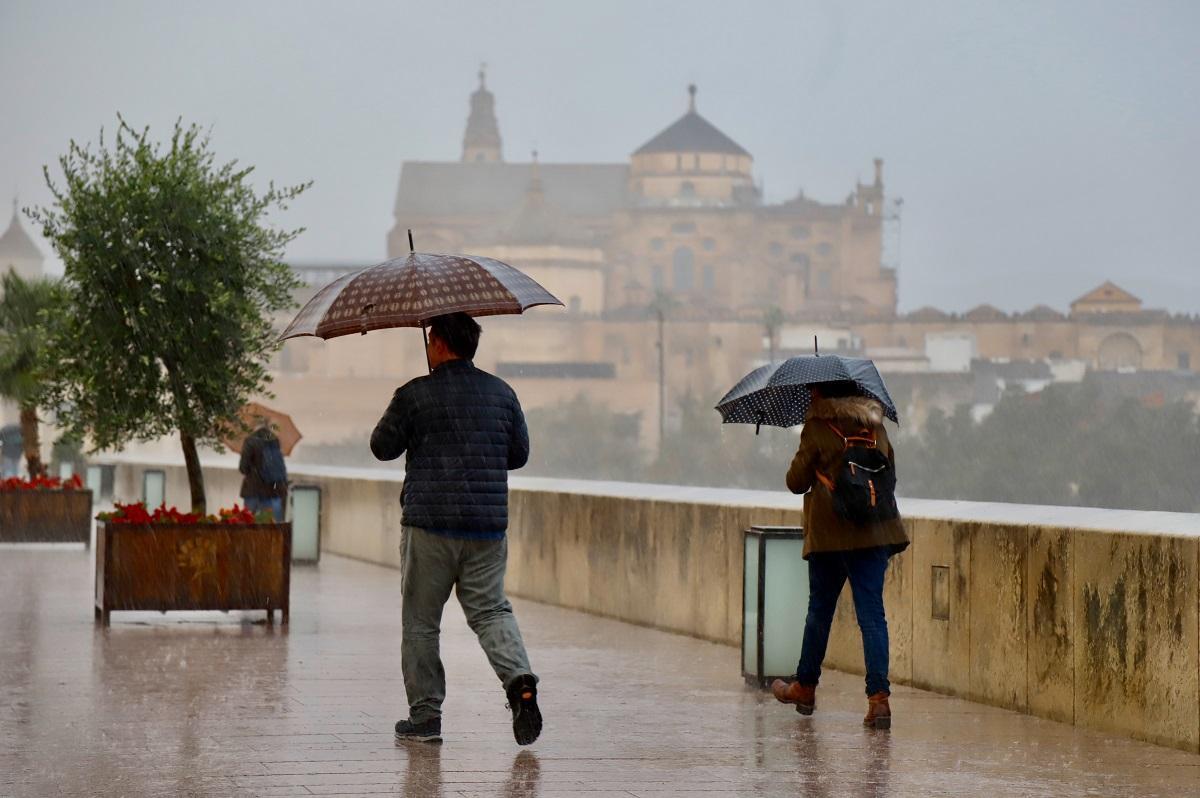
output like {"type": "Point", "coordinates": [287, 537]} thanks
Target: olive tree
{"type": "Point", "coordinates": [172, 276]}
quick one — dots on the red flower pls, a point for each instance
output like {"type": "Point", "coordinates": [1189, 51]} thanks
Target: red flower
{"type": "Point", "coordinates": [41, 483]}
{"type": "Point", "coordinates": [138, 514]}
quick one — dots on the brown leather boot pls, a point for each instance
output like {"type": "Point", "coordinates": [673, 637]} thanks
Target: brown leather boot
{"type": "Point", "coordinates": [804, 696]}
{"type": "Point", "coordinates": [879, 714]}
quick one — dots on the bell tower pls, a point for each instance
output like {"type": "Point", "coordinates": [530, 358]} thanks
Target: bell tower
{"type": "Point", "coordinates": [481, 143]}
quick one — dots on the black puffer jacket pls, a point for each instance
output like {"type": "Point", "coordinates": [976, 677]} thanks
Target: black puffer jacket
{"type": "Point", "coordinates": [251, 465]}
{"type": "Point", "coordinates": [464, 431]}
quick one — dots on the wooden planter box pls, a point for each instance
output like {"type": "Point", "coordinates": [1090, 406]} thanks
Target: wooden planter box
{"type": "Point", "coordinates": [193, 567]}
{"type": "Point", "coordinates": [46, 516]}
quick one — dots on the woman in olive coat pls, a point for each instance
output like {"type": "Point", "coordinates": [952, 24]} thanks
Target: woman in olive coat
{"type": "Point", "coordinates": [838, 550]}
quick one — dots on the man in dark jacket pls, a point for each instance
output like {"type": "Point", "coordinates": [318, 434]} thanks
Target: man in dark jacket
{"type": "Point", "coordinates": [463, 430]}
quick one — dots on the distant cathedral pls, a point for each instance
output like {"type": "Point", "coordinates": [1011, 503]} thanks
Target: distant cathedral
{"type": "Point", "coordinates": [682, 217]}
{"type": "Point", "coordinates": [682, 228]}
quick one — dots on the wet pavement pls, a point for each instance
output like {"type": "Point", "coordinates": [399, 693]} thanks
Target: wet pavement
{"type": "Point", "coordinates": [208, 704]}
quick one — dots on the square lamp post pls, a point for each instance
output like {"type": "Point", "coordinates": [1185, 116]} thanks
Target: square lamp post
{"type": "Point", "coordinates": [774, 602]}
{"type": "Point", "coordinates": [306, 523]}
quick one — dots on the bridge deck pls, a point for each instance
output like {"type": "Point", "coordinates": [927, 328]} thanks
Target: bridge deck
{"type": "Point", "coordinates": [212, 704]}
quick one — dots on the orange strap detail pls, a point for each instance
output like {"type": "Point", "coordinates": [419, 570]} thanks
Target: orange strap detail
{"type": "Point", "coordinates": [864, 435]}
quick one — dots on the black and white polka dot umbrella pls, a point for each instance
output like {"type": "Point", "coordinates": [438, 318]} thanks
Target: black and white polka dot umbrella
{"type": "Point", "coordinates": [778, 394]}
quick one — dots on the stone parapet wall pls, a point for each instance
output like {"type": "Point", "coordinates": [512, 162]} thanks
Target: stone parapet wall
{"type": "Point", "coordinates": [1090, 617]}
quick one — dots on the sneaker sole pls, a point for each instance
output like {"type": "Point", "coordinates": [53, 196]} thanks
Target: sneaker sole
{"type": "Point", "coordinates": [527, 724]}
{"type": "Point", "coordinates": [418, 738]}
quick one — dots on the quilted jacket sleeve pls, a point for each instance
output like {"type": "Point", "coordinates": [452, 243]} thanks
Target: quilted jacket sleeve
{"type": "Point", "coordinates": [390, 438]}
{"type": "Point", "coordinates": [518, 444]}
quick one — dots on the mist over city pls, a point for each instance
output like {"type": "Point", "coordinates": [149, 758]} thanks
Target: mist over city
{"type": "Point", "coordinates": [667, 320]}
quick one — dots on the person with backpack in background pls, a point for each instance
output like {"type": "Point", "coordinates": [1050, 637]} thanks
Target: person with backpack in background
{"type": "Point", "coordinates": [264, 485]}
{"type": "Point", "coordinates": [846, 467]}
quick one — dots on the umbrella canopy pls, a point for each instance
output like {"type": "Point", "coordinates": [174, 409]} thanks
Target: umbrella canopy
{"type": "Point", "coordinates": [778, 394]}
{"type": "Point", "coordinates": [251, 417]}
{"type": "Point", "coordinates": [409, 291]}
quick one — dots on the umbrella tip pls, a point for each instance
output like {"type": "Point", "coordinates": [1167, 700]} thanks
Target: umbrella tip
{"type": "Point", "coordinates": [815, 352]}
{"type": "Point", "coordinates": [411, 248]}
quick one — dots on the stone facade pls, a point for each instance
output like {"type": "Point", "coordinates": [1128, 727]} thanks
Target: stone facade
{"type": "Point", "coordinates": [683, 217]}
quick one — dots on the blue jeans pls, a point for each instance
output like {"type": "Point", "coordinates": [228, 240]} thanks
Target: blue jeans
{"type": "Point", "coordinates": [273, 503]}
{"type": "Point", "coordinates": [827, 572]}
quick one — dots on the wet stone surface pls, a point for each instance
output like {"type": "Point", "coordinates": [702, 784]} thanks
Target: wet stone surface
{"type": "Point", "coordinates": [224, 705]}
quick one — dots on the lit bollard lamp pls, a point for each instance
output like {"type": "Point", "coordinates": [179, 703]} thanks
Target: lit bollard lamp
{"type": "Point", "coordinates": [774, 602]}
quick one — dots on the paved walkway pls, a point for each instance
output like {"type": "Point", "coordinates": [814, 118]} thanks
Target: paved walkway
{"type": "Point", "coordinates": [221, 705]}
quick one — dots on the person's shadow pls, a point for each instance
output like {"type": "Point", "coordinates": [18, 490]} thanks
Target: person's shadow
{"type": "Point", "coordinates": [523, 780]}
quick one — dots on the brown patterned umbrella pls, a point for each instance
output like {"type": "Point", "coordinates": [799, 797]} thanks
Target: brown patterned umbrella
{"type": "Point", "coordinates": [409, 291]}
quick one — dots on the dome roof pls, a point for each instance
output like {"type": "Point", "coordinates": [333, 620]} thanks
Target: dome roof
{"type": "Point", "coordinates": [691, 133]}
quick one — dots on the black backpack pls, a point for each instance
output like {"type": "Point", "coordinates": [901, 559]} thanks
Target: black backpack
{"type": "Point", "coordinates": [272, 469]}
{"type": "Point", "coordinates": [864, 488]}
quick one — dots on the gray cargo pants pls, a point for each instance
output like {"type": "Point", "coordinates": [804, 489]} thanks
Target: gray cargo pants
{"type": "Point", "coordinates": [430, 565]}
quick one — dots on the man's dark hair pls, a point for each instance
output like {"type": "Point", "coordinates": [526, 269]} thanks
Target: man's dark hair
{"type": "Point", "coordinates": [839, 389]}
{"type": "Point", "coordinates": [458, 331]}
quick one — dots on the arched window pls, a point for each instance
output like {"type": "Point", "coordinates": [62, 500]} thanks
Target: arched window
{"type": "Point", "coordinates": [656, 275]}
{"type": "Point", "coordinates": [1119, 351]}
{"type": "Point", "coordinates": [709, 278]}
{"type": "Point", "coordinates": [683, 269]}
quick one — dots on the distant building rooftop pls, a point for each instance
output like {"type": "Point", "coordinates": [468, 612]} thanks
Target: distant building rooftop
{"type": "Point", "coordinates": [455, 188]}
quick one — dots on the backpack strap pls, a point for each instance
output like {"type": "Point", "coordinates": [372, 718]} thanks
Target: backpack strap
{"type": "Point", "coordinates": [863, 435]}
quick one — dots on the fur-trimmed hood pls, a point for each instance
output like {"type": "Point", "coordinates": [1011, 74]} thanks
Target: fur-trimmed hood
{"type": "Point", "coordinates": [859, 409]}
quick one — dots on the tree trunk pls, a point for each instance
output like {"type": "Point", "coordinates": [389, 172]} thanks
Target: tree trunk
{"type": "Point", "coordinates": [195, 476]}
{"type": "Point", "coordinates": [31, 442]}
{"type": "Point", "coordinates": [190, 457]}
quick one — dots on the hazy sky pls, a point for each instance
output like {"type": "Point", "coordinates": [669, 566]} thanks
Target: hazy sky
{"type": "Point", "coordinates": [1040, 147]}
